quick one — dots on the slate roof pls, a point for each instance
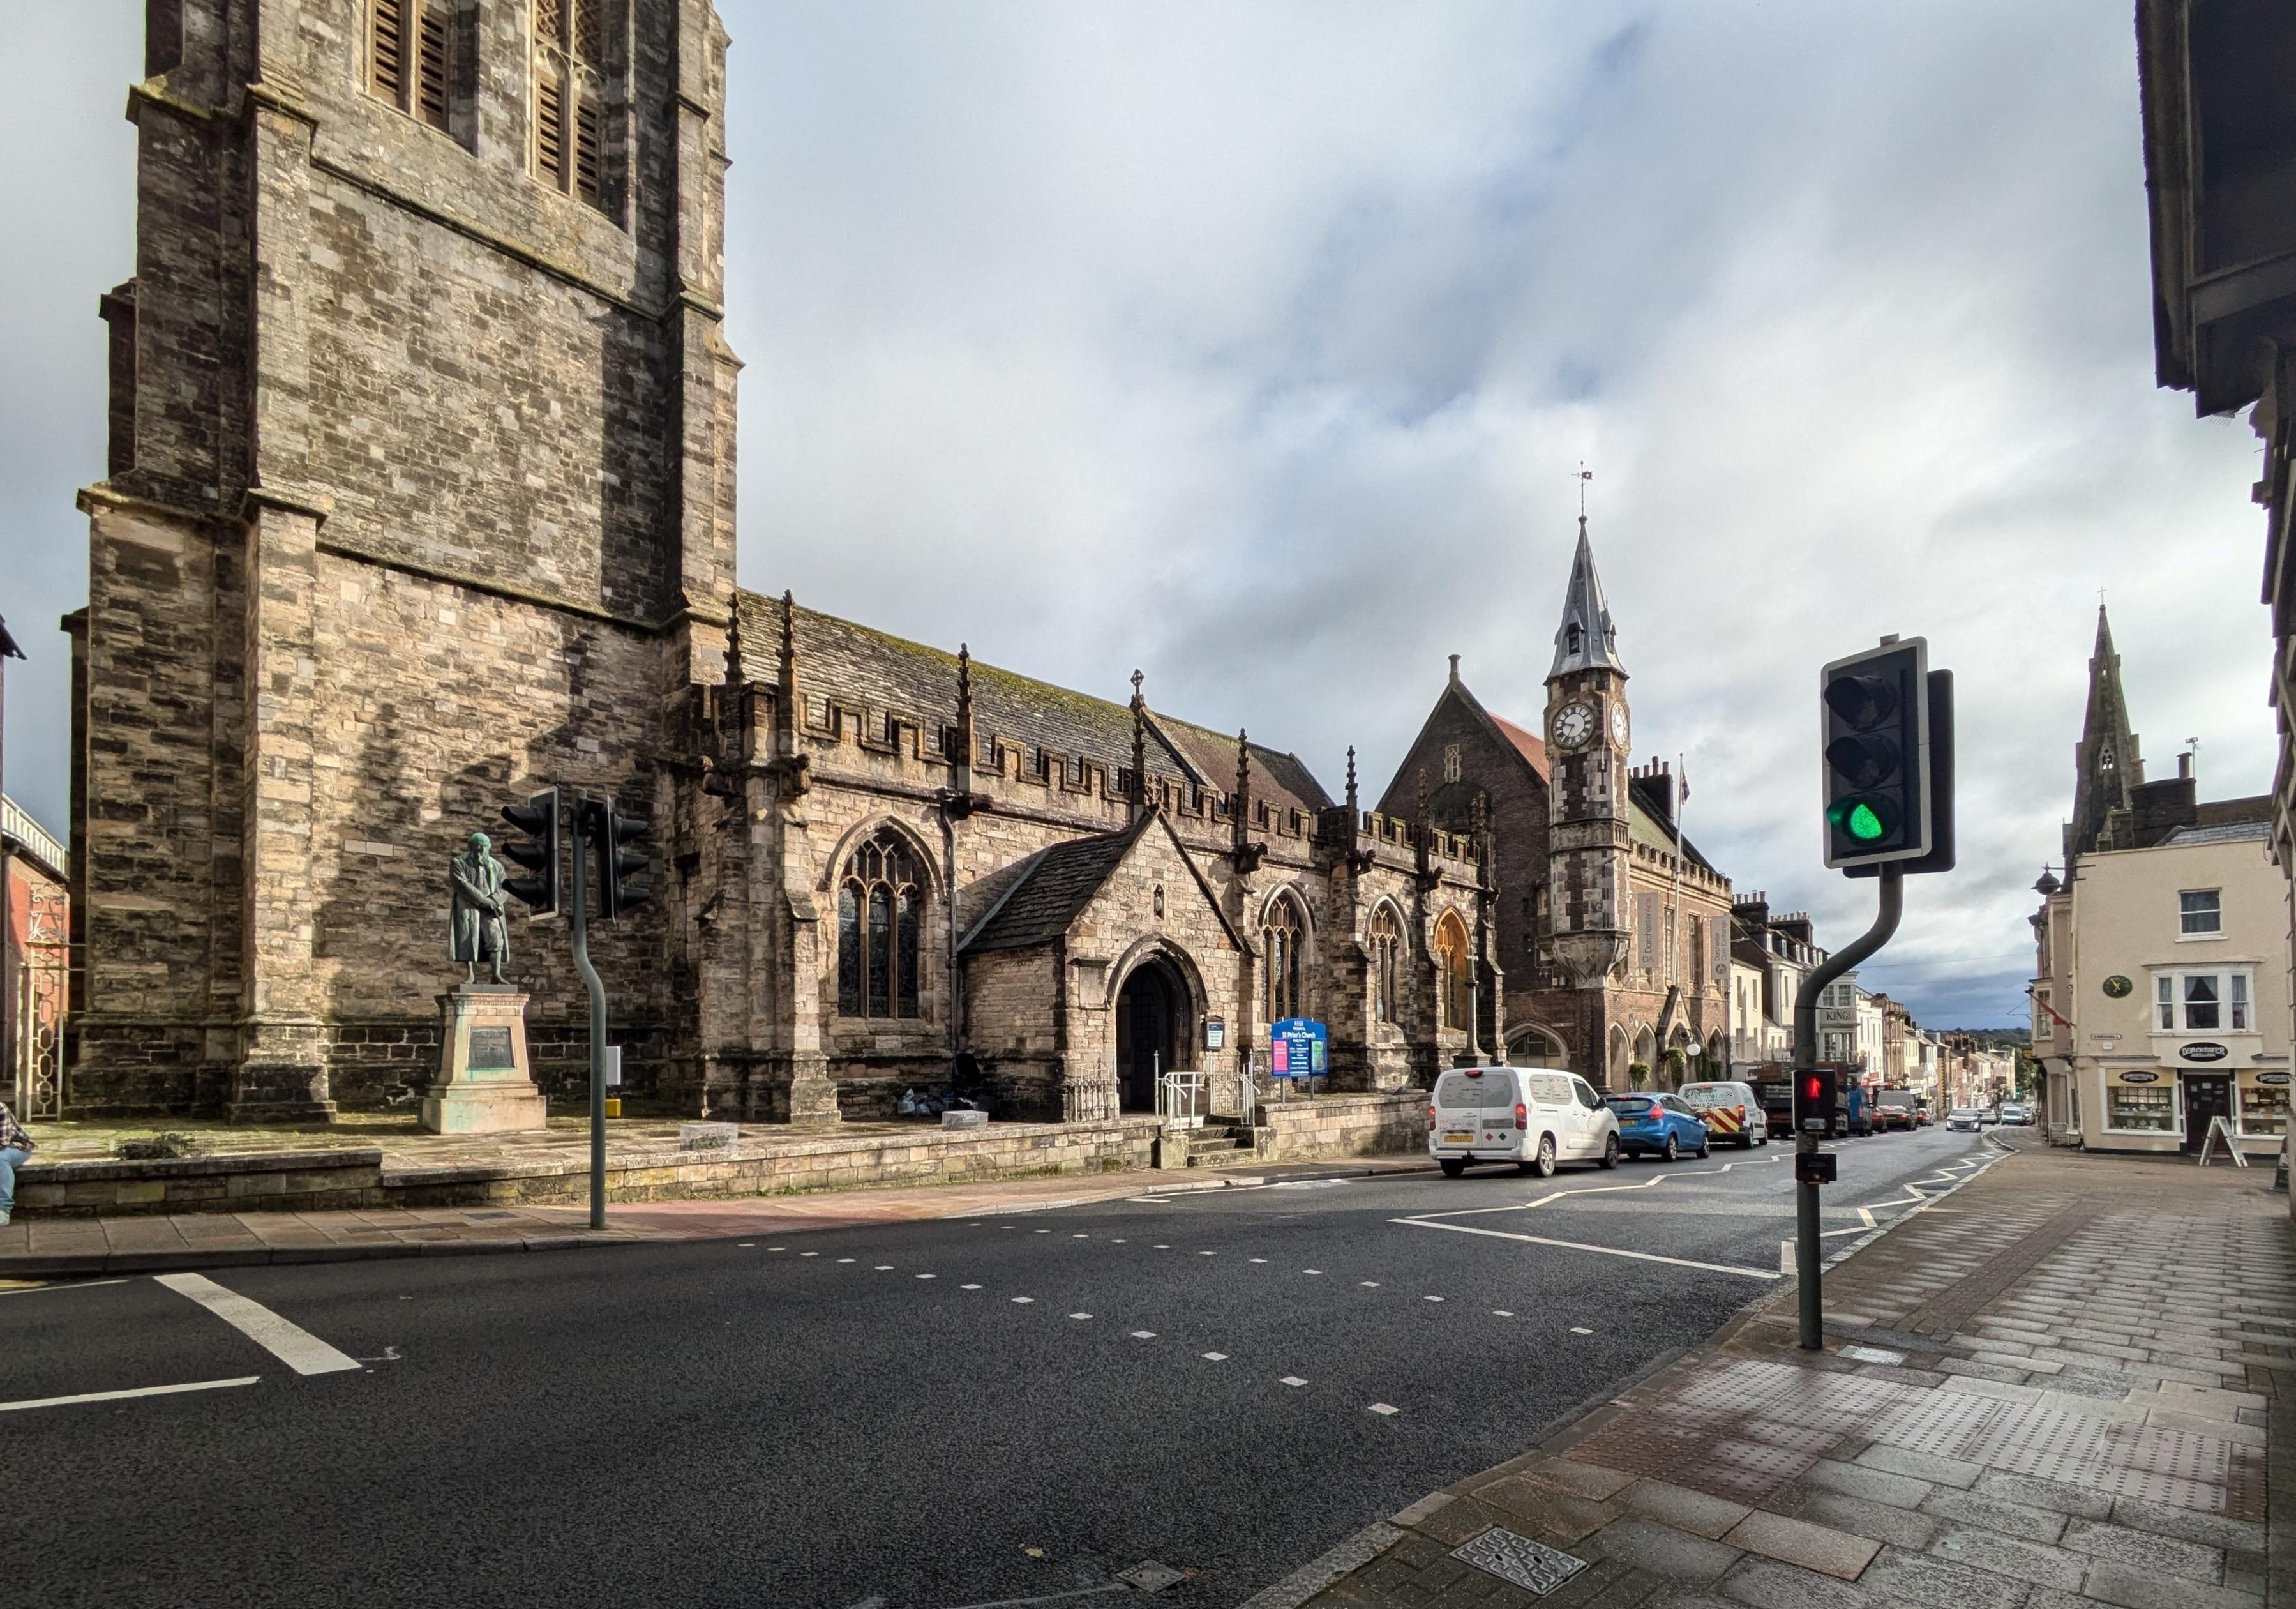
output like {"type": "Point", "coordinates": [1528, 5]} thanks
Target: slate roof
{"type": "Point", "coordinates": [2227, 831]}
{"type": "Point", "coordinates": [1059, 883]}
{"type": "Point", "coordinates": [1648, 795]}
{"type": "Point", "coordinates": [856, 664]}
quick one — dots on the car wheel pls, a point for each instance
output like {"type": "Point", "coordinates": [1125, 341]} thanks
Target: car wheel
{"type": "Point", "coordinates": [1706, 1147]}
{"type": "Point", "coordinates": [1764, 1140]}
{"type": "Point", "coordinates": [1673, 1151]}
{"type": "Point", "coordinates": [1541, 1166]}
{"type": "Point", "coordinates": [1609, 1150]}
{"type": "Point", "coordinates": [1454, 1166]}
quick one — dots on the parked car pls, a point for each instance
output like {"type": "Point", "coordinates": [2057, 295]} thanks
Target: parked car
{"type": "Point", "coordinates": [1658, 1125]}
{"type": "Point", "coordinates": [1967, 1118]}
{"type": "Point", "coordinates": [1731, 1111]}
{"type": "Point", "coordinates": [1533, 1117]}
{"type": "Point", "coordinates": [2016, 1114]}
{"type": "Point", "coordinates": [1922, 1110]}
{"type": "Point", "coordinates": [1895, 1109]}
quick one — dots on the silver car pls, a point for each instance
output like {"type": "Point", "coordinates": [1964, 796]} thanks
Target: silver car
{"type": "Point", "coordinates": [1966, 1117]}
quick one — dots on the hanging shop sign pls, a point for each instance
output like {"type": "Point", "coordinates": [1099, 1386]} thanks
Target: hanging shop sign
{"type": "Point", "coordinates": [2118, 987]}
{"type": "Point", "coordinates": [2203, 1050]}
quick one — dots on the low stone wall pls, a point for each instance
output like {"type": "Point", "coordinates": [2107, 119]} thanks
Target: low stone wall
{"type": "Point", "coordinates": [276, 1181]}
{"type": "Point", "coordinates": [1329, 1127]}
{"type": "Point", "coordinates": [1332, 1126]}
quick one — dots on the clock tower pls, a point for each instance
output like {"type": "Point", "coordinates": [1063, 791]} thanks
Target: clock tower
{"type": "Point", "coordinates": [1587, 848]}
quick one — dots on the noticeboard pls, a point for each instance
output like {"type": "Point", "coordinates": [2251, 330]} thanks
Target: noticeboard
{"type": "Point", "coordinates": [1298, 1048]}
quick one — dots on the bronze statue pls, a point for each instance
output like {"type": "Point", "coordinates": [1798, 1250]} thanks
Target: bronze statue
{"type": "Point", "coordinates": [479, 931]}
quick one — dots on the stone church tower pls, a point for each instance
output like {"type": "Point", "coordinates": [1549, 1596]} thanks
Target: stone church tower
{"type": "Point", "coordinates": [420, 494]}
{"type": "Point", "coordinates": [1588, 744]}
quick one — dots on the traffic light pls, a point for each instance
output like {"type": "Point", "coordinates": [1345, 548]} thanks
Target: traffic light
{"type": "Point", "coordinates": [609, 831]}
{"type": "Point", "coordinates": [537, 818]}
{"type": "Point", "coordinates": [1817, 1099]}
{"type": "Point", "coordinates": [1937, 779]}
{"type": "Point", "coordinates": [1875, 721]}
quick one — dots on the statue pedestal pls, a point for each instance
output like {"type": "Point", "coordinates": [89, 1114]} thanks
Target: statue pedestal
{"type": "Point", "coordinates": [484, 1085]}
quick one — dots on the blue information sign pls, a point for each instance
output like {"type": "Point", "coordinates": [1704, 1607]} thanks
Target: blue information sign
{"type": "Point", "coordinates": [1298, 1048]}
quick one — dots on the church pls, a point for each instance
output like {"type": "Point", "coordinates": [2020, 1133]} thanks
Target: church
{"type": "Point", "coordinates": [420, 497]}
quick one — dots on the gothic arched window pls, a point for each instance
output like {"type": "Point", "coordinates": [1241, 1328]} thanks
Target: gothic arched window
{"type": "Point", "coordinates": [1452, 972]}
{"type": "Point", "coordinates": [1385, 964]}
{"type": "Point", "coordinates": [879, 914]}
{"type": "Point", "coordinates": [1286, 927]}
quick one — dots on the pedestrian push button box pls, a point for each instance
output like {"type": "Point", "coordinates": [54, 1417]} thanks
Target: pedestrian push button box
{"type": "Point", "coordinates": [1814, 1168]}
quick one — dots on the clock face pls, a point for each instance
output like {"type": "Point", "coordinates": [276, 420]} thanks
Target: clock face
{"type": "Point", "coordinates": [1574, 724]}
{"type": "Point", "coordinates": [1618, 724]}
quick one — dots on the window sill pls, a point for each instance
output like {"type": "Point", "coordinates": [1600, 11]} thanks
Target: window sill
{"type": "Point", "coordinates": [2200, 938]}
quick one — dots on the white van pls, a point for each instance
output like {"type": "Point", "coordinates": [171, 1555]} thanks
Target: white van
{"type": "Point", "coordinates": [1731, 1111]}
{"type": "Point", "coordinates": [1533, 1117]}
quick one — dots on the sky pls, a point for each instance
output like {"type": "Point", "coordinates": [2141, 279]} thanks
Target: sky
{"type": "Point", "coordinates": [1258, 346]}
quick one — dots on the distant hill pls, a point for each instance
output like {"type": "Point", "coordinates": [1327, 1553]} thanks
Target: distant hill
{"type": "Point", "coordinates": [1995, 1038]}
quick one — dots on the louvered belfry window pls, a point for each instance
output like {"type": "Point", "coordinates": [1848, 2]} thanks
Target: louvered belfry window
{"type": "Point", "coordinates": [411, 57]}
{"type": "Point", "coordinates": [570, 76]}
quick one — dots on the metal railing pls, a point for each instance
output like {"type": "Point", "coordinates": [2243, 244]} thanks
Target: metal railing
{"type": "Point", "coordinates": [16, 821]}
{"type": "Point", "coordinates": [1180, 1098]}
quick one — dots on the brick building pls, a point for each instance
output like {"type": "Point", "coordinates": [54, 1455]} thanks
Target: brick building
{"type": "Point", "coordinates": [1611, 932]}
{"type": "Point", "coordinates": [420, 496]}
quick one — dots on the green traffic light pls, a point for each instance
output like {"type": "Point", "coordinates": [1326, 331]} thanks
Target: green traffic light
{"type": "Point", "coordinates": [1866, 820]}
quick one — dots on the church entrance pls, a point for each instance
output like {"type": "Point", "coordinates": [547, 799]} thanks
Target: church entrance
{"type": "Point", "coordinates": [1149, 1014]}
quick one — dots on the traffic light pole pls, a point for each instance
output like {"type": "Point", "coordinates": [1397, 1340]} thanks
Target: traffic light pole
{"type": "Point", "coordinates": [1806, 1245]}
{"type": "Point", "coordinates": [581, 932]}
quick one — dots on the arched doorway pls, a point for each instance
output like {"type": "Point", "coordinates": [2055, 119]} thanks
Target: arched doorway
{"type": "Point", "coordinates": [1152, 1010]}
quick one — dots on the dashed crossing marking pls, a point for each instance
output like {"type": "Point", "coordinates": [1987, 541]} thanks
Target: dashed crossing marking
{"type": "Point", "coordinates": [1575, 1245]}
{"type": "Point", "coordinates": [1580, 1329]}
{"type": "Point", "coordinates": [1215, 1357]}
{"type": "Point", "coordinates": [1383, 1409]}
{"type": "Point", "coordinates": [1144, 1334]}
{"type": "Point", "coordinates": [290, 1343]}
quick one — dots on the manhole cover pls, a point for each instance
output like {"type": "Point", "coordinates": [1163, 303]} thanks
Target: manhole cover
{"type": "Point", "coordinates": [1150, 1576]}
{"type": "Point", "coordinates": [1531, 1565]}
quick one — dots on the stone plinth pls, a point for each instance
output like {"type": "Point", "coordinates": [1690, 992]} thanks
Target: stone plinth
{"type": "Point", "coordinates": [484, 1084]}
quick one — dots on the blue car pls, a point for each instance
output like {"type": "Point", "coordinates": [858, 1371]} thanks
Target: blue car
{"type": "Point", "coordinates": [1657, 1125]}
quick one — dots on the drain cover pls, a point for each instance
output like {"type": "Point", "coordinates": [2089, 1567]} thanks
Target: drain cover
{"type": "Point", "coordinates": [1150, 1576]}
{"type": "Point", "coordinates": [1529, 1564]}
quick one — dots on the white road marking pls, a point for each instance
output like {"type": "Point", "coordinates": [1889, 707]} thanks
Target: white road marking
{"type": "Point", "coordinates": [1574, 1245]}
{"type": "Point", "coordinates": [1215, 1357]}
{"type": "Point", "coordinates": [1258, 1260]}
{"type": "Point", "coordinates": [1431, 1299]}
{"type": "Point", "coordinates": [1043, 1231]}
{"type": "Point", "coordinates": [844, 1259]}
{"type": "Point", "coordinates": [1024, 1300]}
{"type": "Point", "coordinates": [1079, 1237]}
{"type": "Point", "coordinates": [1291, 1380]}
{"type": "Point", "coordinates": [1580, 1330]}
{"type": "Point", "coordinates": [1117, 1241]}
{"type": "Point", "coordinates": [1144, 1334]}
{"type": "Point", "coordinates": [1208, 1254]}
{"type": "Point", "coordinates": [1311, 1270]}
{"type": "Point", "coordinates": [1785, 1256]}
{"type": "Point", "coordinates": [1384, 1408]}
{"type": "Point", "coordinates": [928, 1277]}
{"type": "Point", "coordinates": [1501, 1313]}
{"type": "Point", "coordinates": [776, 1248]}
{"type": "Point", "coordinates": [1368, 1284]}
{"type": "Point", "coordinates": [85, 1284]}
{"type": "Point", "coordinates": [884, 1267]}
{"type": "Point", "coordinates": [745, 1245]}
{"type": "Point", "coordinates": [1079, 1315]}
{"type": "Point", "coordinates": [809, 1253]}
{"type": "Point", "coordinates": [967, 1287]}
{"type": "Point", "coordinates": [1161, 1246]}
{"type": "Point", "coordinates": [290, 1343]}
{"type": "Point", "coordinates": [140, 1391]}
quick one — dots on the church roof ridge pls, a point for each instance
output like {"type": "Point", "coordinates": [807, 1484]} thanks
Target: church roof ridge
{"type": "Point", "coordinates": [848, 659]}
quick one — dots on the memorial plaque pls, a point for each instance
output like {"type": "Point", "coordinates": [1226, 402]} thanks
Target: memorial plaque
{"type": "Point", "coordinates": [491, 1049]}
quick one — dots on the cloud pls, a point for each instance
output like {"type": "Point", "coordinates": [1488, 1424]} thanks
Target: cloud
{"type": "Point", "coordinates": [1259, 347]}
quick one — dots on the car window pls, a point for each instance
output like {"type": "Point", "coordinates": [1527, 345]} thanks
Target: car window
{"type": "Point", "coordinates": [1551, 1087]}
{"type": "Point", "coordinates": [1627, 1106]}
{"type": "Point", "coordinates": [1459, 1089]}
{"type": "Point", "coordinates": [1586, 1096]}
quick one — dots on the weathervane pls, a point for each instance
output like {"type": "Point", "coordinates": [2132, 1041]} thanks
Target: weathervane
{"type": "Point", "coordinates": [1585, 475]}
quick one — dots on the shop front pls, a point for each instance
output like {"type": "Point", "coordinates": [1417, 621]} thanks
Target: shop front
{"type": "Point", "coordinates": [2162, 1108]}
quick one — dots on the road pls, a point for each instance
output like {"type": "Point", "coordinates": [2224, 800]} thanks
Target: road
{"type": "Point", "coordinates": [925, 1415]}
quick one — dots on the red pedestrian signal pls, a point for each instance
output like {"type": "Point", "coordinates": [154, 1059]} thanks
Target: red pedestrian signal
{"type": "Point", "coordinates": [1817, 1099]}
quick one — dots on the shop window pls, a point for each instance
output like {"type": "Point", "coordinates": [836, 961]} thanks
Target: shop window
{"type": "Point", "coordinates": [2264, 1108]}
{"type": "Point", "coordinates": [2200, 912]}
{"type": "Point", "coordinates": [2144, 1108]}
{"type": "Point", "coordinates": [880, 915]}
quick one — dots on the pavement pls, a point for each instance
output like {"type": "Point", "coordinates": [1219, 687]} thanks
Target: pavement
{"type": "Point", "coordinates": [1200, 1387]}
{"type": "Point", "coordinates": [2065, 1383]}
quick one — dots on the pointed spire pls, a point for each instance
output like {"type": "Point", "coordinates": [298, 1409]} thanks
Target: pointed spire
{"type": "Point", "coordinates": [2107, 762]}
{"type": "Point", "coordinates": [789, 635]}
{"type": "Point", "coordinates": [734, 675]}
{"type": "Point", "coordinates": [1587, 639]}
{"type": "Point", "coordinates": [786, 711]}
{"type": "Point", "coordinates": [1353, 814]}
{"type": "Point", "coordinates": [1139, 750]}
{"type": "Point", "coordinates": [962, 760]}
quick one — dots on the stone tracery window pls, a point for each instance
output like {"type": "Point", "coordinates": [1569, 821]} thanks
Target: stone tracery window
{"type": "Point", "coordinates": [1454, 979]}
{"type": "Point", "coordinates": [1386, 965]}
{"type": "Point", "coordinates": [879, 917]}
{"type": "Point", "coordinates": [411, 57]}
{"type": "Point", "coordinates": [1285, 931]}
{"type": "Point", "coordinates": [570, 93]}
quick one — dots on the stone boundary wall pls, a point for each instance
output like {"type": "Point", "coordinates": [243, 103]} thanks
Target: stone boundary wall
{"type": "Point", "coordinates": [1333, 1126]}
{"type": "Point", "coordinates": [353, 1178]}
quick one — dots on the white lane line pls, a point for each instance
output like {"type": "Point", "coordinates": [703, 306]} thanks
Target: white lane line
{"type": "Point", "coordinates": [140, 1391]}
{"type": "Point", "coordinates": [1291, 1380]}
{"type": "Point", "coordinates": [290, 1343]}
{"type": "Point", "coordinates": [927, 1276]}
{"type": "Point", "coordinates": [41, 1290]}
{"type": "Point", "coordinates": [1578, 1329]}
{"type": "Point", "coordinates": [1024, 1300]}
{"type": "Point", "coordinates": [1215, 1357]}
{"type": "Point", "coordinates": [967, 1287]}
{"type": "Point", "coordinates": [1383, 1409]}
{"type": "Point", "coordinates": [1574, 1245]}
{"type": "Point", "coordinates": [1144, 1334]}
{"type": "Point", "coordinates": [1501, 1313]}
{"type": "Point", "coordinates": [1079, 1315]}
{"type": "Point", "coordinates": [1651, 1183]}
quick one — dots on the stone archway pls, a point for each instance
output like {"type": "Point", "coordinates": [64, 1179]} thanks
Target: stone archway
{"type": "Point", "coordinates": [1154, 1011]}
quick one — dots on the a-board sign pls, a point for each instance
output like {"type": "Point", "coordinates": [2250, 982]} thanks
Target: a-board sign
{"type": "Point", "coordinates": [1297, 1047]}
{"type": "Point", "coordinates": [2203, 1050]}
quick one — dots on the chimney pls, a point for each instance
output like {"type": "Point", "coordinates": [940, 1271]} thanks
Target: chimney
{"type": "Point", "coordinates": [2185, 766]}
